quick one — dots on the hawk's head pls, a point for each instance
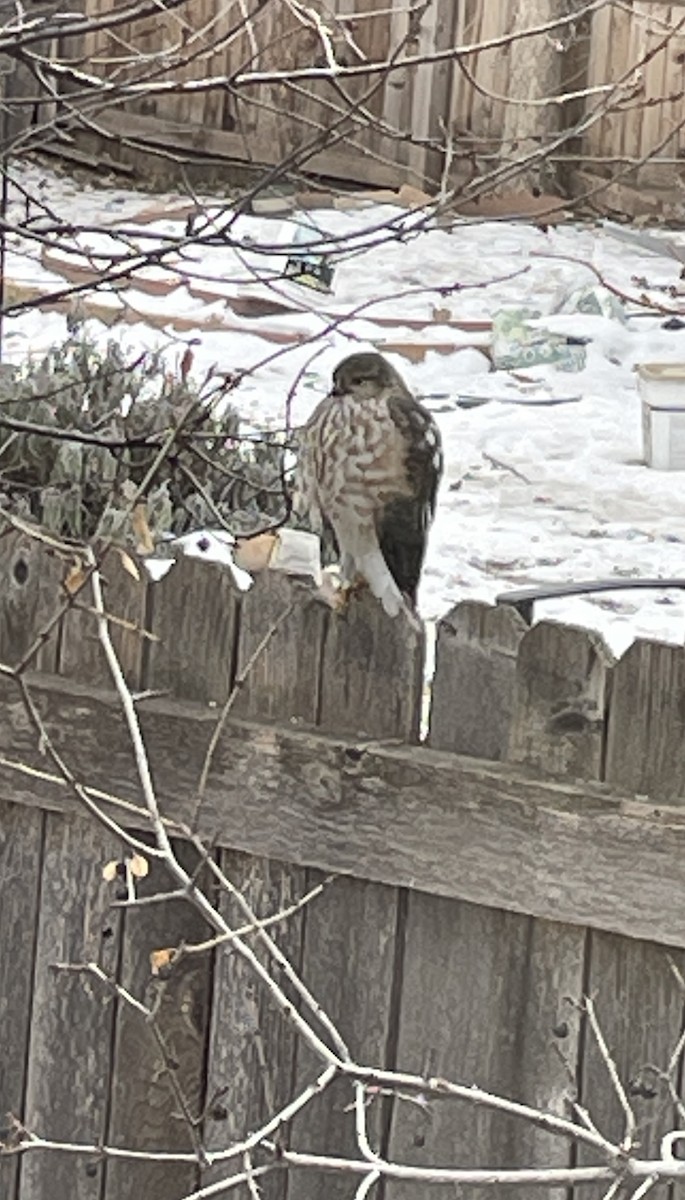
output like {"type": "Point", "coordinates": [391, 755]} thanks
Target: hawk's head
{"type": "Point", "coordinates": [364, 376]}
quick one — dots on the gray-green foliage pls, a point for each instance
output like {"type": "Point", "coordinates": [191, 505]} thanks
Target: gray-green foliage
{"type": "Point", "coordinates": [83, 490]}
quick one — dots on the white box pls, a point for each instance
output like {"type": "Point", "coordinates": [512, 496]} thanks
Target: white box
{"type": "Point", "coordinates": [662, 390]}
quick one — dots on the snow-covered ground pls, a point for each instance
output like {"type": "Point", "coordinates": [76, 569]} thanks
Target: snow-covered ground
{"type": "Point", "coordinates": [532, 493]}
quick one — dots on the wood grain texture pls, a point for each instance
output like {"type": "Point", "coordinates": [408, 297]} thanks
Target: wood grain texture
{"type": "Point", "coordinates": [504, 979]}
{"type": "Point", "coordinates": [349, 957]}
{"type": "Point", "coordinates": [21, 838]}
{"type": "Point", "coordinates": [372, 673]}
{"type": "Point", "coordinates": [475, 676]}
{"type": "Point", "coordinates": [284, 681]}
{"type": "Point", "coordinates": [31, 593]}
{"type": "Point", "coordinates": [81, 654]}
{"type": "Point", "coordinates": [639, 1001]}
{"type": "Point", "coordinates": [646, 734]}
{"type": "Point", "coordinates": [561, 697]}
{"type": "Point", "coordinates": [251, 1061]}
{"type": "Point", "coordinates": [639, 1006]}
{"type": "Point", "coordinates": [483, 1004]}
{"type": "Point", "coordinates": [71, 1014]}
{"type": "Point", "coordinates": [252, 1047]}
{"type": "Point", "coordinates": [409, 816]}
{"type": "Point", "coordinates": [144, 1111]}
{"type": "Point", "coordinates": [194, 618]}
{"type": "Point", "coordinates": [371, 683]}
{"type": "Point", "coordinates": [166, 131]}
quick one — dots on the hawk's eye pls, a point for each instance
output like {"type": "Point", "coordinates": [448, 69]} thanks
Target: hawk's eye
{"type": "Point", "coordinates": [357, 381]}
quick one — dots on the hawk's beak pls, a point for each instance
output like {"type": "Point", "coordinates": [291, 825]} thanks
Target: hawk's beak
{"type": "Point", "coordinates": [336, 391]}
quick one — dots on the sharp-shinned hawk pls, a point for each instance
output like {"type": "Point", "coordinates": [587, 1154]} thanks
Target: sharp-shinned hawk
{"type": "Point", "coordinates": [369, 466]}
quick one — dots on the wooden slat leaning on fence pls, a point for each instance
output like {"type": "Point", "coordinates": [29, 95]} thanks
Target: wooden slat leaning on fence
{"type": "Point", "coordinates": [528, 852]}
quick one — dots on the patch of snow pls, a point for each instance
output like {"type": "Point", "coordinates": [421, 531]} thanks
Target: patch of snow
{"type": "Point", "coordinates": [532, 493]}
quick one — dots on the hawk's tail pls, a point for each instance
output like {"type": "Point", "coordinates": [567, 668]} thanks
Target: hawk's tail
{"type": "Point", "coordinates": [373, 568]}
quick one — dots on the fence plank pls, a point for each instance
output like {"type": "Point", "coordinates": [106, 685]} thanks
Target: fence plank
{"type": "Point", "coordinates": [639, 1006]}
{"type": "Point", "coordinates": [81, 654]}
{"type": "Point", "coordinates": [562, 690]}
{"type": "Point", "coordinates": [479, 831]}
{"type": "Point", "coordinates": [483, 1004]}
{"type": "Point", "coordinates": [475, 676]}
{"type": "Point", "coordinates": [646, 735]}
{"type": "Point", "coordinates": [372, 673]}
{"type": "Point", "coordinates": [497, 982]}
{"type": "Point", "coordinates": [372, 681]}
{"type": "Point", "coordinates": [145, 1113]}
{"type": "Point", "coordinates": [31, 593]}
{"type": "Point", "coordinates": [639, 1002]}
{"type": "Point", "coordinates": [252, 1044]}
{"type": "Point", "coordinates": [71, 1015]}
{"type": "Point", "coordinates": [195, 617]}
{"type": "Point", "coordinates": [21, 837]}
{"type": "Point", "coordinates": [284, 681]}
{"type": "Point", "coordinates": [348, 963]}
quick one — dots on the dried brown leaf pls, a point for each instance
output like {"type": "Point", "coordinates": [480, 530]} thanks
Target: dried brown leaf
{"type": "Point", "coordinates": [145, 542]}
{"type": "Point", "coordinates": [128, 564]}
{"type": "Point", "coordinates": [75, 578]}
{"type": "Point", "coordinates": [159, 959]}
{"type": "Point", "coordinates": [110, 870]}
{"type": "Point", "coordinates": [138, 866]}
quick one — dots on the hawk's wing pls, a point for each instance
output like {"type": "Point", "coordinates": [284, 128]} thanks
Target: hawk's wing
{"type": "Point", "coordinates": [403, 527]}
{"type": "Point", "coordinates": [306, 504]}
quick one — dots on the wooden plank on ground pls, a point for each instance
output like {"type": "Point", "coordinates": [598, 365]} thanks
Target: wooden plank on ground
{"type": "Point", "coordinates": [146, 1112]}
{"type": "Point", "coordinates": [338, 163]}
{"type": "Point", "coordinates": [21, 842]}
{"type": "Point", "coordinates": [497, 835]}
{"type": "Point", "coordinates": [71, 1014]}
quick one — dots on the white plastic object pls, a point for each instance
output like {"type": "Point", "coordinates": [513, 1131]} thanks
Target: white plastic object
{"type": "Point", "coordinates": [662, 391]}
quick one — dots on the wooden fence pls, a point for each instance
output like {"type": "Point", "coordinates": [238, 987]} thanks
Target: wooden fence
{"type": "Point", "coordinates": [488, 102]}
{"type": "Point", "coordinates": [530, 852]}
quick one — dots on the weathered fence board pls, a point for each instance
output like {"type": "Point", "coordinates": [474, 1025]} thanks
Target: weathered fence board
{"type": "Point", "coordinates": [149, 1080]}
{"type": "Point", "coordinates": [284, 680]}
{"type": "Point", "coordinates": [349, 956]}
{"type": "Point", "coordinates": [472, 695]}
{"type": "Point", "coordinates": [477, 897]}
{"type": "Point", "coordinates": [192, 610]}
{"type": "Point", "coordinates": [619, 68]}
{"type": "Point", "coordinates": [81, 655]}
{"type": "Point", "coordinates": [503, 973]}
{"type": "Point", "coordinates": [252, 1046]}
{"type": "Point", "coordinates": [560, 701]}
{"type": "Point", "coordinates": [29, 599]}
{"type": "Point", "coordinates": [21, 850]}
{"type": "Point", "coordinates": [406, 816]}
{"type": "Point", "coordinates": [68, 1065]}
